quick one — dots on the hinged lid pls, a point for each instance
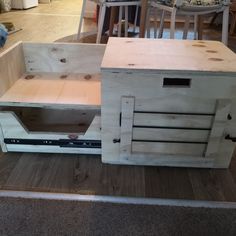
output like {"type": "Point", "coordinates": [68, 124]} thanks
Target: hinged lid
{"type": "Point", "coordinates": [168, 55]}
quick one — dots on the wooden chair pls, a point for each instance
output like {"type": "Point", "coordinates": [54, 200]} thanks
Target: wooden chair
{"type": "Point", "coordinates": [187, 8]}
{"type": "Point", "coordinates": [103, 4]}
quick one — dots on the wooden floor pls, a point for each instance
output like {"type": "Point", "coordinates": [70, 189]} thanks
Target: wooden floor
{"type": "Point", "coordinates": [46, 23]}
{"type": "Point", "coordinates": [87, 175]}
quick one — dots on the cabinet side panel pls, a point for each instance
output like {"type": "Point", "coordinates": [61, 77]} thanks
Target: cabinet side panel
{"type": "Point", "coordinates": [12, 66]}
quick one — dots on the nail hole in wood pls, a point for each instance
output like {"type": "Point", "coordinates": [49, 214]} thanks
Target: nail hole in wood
{"type": "Point", "coordinates": [63, 76]}
{"type": "Point", "coordinates": [87, 77]}
{"type": "Point", "coordinates": [63, 60]}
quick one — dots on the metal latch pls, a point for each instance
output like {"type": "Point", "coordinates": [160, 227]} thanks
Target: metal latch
{"type": "Point", "coordinates": [228, 137]}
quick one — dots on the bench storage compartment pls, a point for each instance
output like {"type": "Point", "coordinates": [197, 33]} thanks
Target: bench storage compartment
{"type": "Point", "coordinates": [50, 98]}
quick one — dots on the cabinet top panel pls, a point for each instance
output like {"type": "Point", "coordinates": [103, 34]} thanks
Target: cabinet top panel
{"type": "Point", "coordinates": [168, 55]}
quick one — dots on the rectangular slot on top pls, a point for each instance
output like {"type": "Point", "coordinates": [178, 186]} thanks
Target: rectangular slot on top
{"type": "Point", "coordinates": [177, 82]}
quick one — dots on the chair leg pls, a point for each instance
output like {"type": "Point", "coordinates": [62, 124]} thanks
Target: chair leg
{"type": "Point", "coordinates": [135, 18]}
{"type": "Point", "coordinates": [225, 25]}
{"type": "Point", "coordinates": [102, 12]}
{"type": "Point", "coordinates": [148, 22]}
{"type": "Point", "coordinates": [112, 20]}
{"type": "Point", "coordinates": [196, 27]}
{"type": "Point", "coordinates": [186, 27]}
{"type": "Point", "coordinates": [81, 19]}
{"type": "Point", "coordinates": [200, 26]}
{"type": "Point", "coordinates": [126, 21]}
{"type": "Point", "coordinates": [155, 23]}
{"type": "Point", "coordinates": [162, 21]}
{"type": "Point", "coordinates": [172, 23]}
{"type": "Point", "coordinates": [120, 19]}
{"type": "Point", "coordinates": [233, 23]}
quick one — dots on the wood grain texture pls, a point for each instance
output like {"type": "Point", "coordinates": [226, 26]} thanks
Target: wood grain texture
{"type": "Point", "coordinates": [12, 66]}
{"type": "Point", "coordinates": [157, 134]}
{"type": "Point", "coordinates": [52, 90]}
{"type": "Point", "coordinates": [172, 83]}
{"type": "Point", "coordinates": [13, 128]}
{"type": "Point", "coordinates": [172, 120]}
{"type": "Point", "coordinates": [168, 55]}
{"type": "Point", "coordinates": [85, 175]}
{"type": "Point", "coordinates": [63, 57]}
{"type": "Point", "coordinates": [218, 127]}
{"type": "Point", "coordinates": [126, 130]}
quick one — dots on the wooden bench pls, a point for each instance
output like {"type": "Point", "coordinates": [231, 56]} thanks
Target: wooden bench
{"type": "Point", "coordinates": [44, 84]}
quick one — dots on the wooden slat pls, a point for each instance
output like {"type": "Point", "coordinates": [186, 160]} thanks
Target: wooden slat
{"type": "Point", "coordinates": [126, 130]}
{"type": "Point", "coordinates": [169, 148]}
{"type": "Point", "coordinates": [218, 127]}
{"type": "Point", "coordinates": [170, 134]}
{"type": "Point", "coordinates": [156, 159]}
{"type": "Point", "coordinates": [172, 120]}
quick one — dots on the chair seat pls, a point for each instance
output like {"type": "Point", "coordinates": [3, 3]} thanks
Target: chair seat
{"type": "Point", "coordinates": [197, 4]}
{"type": "Point", "coordinates": [103, 1]}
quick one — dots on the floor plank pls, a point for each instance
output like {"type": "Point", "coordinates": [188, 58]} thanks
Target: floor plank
{"type": "Point", "coordinates": [168, 183]}
{"type": "Point", "coordinates": [83, 174]}
{"type": "Point", "coordinates": [8, 161]}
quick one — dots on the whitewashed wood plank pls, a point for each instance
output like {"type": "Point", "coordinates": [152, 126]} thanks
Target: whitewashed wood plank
{"type": "Point", "coordinates": [172, 120]}
{"type": "Point", "coordinates": [170, 134]}
{"type": "Point", "coordinates": [169, 148]}
{"type": "Point", "coordinates": [218, 127]}
{"type": "Point", "coordinates": [63, 57]}
{"type": "Point", "coordinates": [126, 129]}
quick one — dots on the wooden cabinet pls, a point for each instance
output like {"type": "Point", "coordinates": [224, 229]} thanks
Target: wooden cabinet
{"type": "Point", "coordinates": [168, 103]}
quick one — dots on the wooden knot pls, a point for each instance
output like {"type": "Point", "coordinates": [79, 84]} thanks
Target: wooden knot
{"type": "Point", "coordinates": [28, 77]}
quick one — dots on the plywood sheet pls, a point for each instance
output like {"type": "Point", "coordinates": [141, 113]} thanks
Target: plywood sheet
{"type": "Point", "coordinates": [54, 88]}
{"type": "Point", "coordinates": [168, 55]}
